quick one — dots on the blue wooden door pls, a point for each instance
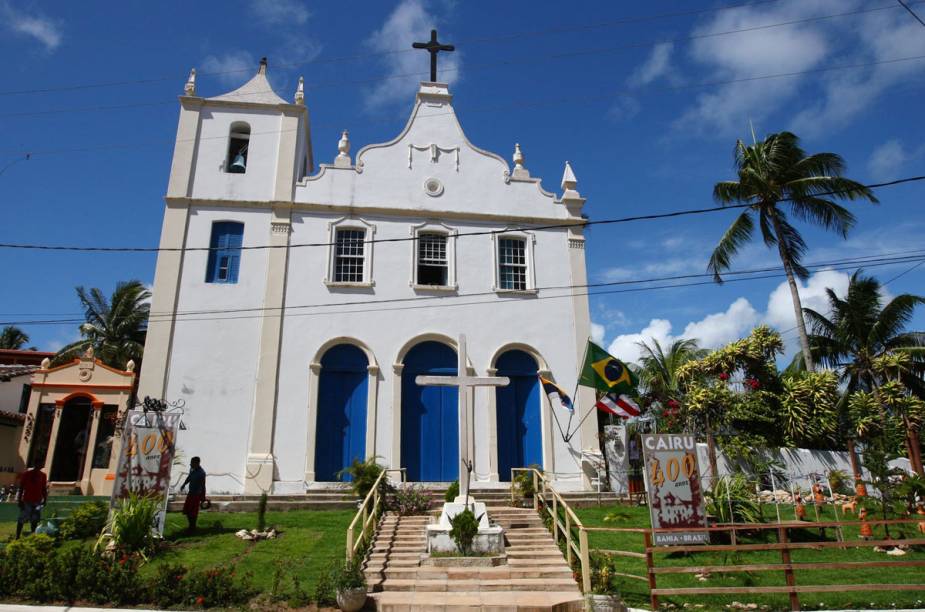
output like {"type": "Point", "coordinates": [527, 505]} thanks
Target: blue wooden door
{"type": "Point", "coordinates": [340, 434]}
{"type": "Point", "coordinates": [520, 437]}
{"type": "Point", "coordinates": [429, 416]}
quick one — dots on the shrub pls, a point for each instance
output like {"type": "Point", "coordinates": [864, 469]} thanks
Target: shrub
{"type": "Point", "coordinates": [165, 589]}
{"type": "Point", "coordinates": [838, 480]}
{"type": "Point", "coordinates": [27, 566]}
{"type": "Point", "coordinates": [524, 482]}
{"type": "Point", "coordinates": [130, 527]}
{"type": "Point", "coordinates": [325, 593]}
{"type": "Point", "coordinates": [217, 587]}
{"type": "Point", "coordinates": [87, 521]}
{"type": "Point", "coordinates": [409, 500]}
{"type": "Point", "coordinates": [734, 491]}
{"type": "Point", "coordinates": [452, 491]}
{"type": "Point", "coordinates": [464, 529]}
{"type": "Point", "coordinates": [363, 474]}
{"type": "Point", "coordinates": [109, 579]}
{"type": "Point", "coordinates": [262, 512]}
{"type": "Point", "coordinates": [348, 575]}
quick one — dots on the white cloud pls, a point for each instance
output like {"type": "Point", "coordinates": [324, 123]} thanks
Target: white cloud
{"type": "Point", "coordinates": [409, 21]}
{"type": "Point", "coordinates": [625, 348]}
{"type": "Point", "coordinates": [232, 68]}
{"type": "Point", "coordinates": [717, 329]}
{"type": "Point", "coordinates": [720, 328]}
{"type": "Point", "coordinates": [597, 332]}
{"type": "Point", "coordinates": [727, 109]}
{"type": "Point", "coordinates": [656, 66]}
{"type": "Point", "coordinates": [279, 12]}
{"type": "Point", "coordinates": [36, 26]}
{"type": "Point", "coordinates": [887, 159]}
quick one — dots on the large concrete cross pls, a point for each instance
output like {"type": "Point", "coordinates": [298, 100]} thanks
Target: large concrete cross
{"type": "Point", "coordinates": [465, 384]}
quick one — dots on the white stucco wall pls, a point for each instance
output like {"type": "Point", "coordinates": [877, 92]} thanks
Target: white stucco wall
{"type": "Point", "coordinates": [213, 362]}
{"type": "Point", "coordinates": [11, 392]}
{"type": "Point", "coordinates": [214, 356]}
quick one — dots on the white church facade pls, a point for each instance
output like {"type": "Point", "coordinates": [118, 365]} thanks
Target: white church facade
{"type": "Point", "coordinates": [295, 305]}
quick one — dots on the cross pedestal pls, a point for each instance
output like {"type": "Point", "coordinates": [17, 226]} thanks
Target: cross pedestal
{"type": "Point", "coordinates": [489, 538]}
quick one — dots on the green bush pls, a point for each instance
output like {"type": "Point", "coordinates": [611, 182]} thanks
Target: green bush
{"type": "Point", "coordinates": [734, 491]}
{"type": "Point", "coordinates": [130, 527]}
{"type": "Point", "coordinates": [325, 591]}
{"type": "Point", "coordinates": [217, 587]}
{"type": "Point", "coordinates": [363, 475]}
{"type": "Point", "coordinates": [165, 589]}
{"type": "Point", "coordinates": [409, 500]}
{"type": "Point", "coordinates": [348, 575]}
{"type": "Point", "coordinates": [464, 529]}
{"type": "Point", "coordinates": [838, 480]}
{"type": "Point", "coordinates": [452, 491]}
{"type": "Point", "coordinates": [524, 482]}
{"type": "Point", "coordinates": [27, 566]}
{"type": "Point", "coordinates": [109, 579]}
{"type": "Point", "coordinates": [87, 521]}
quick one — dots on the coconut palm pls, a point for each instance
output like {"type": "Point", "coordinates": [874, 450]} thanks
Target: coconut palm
{"type": "Point", "coordinates": [659, 372]}
{"type": "Point", "coordinates": [777, 172]}
{"type": "Point", "coordinates": [13, 338]}
{"type": "Point", "coordinates": [115, 326]}
{"type": "Point", "coordinates": [862, 329]}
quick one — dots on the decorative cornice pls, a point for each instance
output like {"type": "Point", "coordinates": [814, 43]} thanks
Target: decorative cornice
{"type": "Point", "coordinates": [280, 228]}
{"type": "Point", "coordinates": [575, 243]}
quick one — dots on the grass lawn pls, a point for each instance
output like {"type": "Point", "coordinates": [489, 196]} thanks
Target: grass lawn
{"type": "Point", "coordinates": [309, 543]}
{"type": "Point", "coordinates": [636, 592]}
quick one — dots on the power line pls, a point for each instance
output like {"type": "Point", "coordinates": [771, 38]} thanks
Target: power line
{"type": "Point", "coordinates": [495, 108]}
{"type": "Point", "coordinates": [478, 66]}
{"type": "Point", "coordinates": [911, 12]}
{"type": "Point", "coordinates": [247, 313]}
{"type": "Point", "coordinates": [577, 223]}
{"type": "Point", "coordinates": [367, 54]}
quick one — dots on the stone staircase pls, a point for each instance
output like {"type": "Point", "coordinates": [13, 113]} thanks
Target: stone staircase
{"type": "Point", "coordinates": [536, 576]}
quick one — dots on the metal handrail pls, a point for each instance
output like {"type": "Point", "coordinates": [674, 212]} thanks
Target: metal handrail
{"type": "Point", "coordinates": [368, 513]}
{"type": "Point", "coordinates": [545, 492]}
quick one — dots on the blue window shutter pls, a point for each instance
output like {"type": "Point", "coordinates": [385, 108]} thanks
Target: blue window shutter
{"type": "Point", "coordinates": [225, 243]}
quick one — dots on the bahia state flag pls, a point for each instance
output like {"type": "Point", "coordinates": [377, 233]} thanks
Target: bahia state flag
{"type": "Point", "coordinates": [557, 395]}
{"type": "Point", "coordinates": [606, 373]}
{"type": "Point", "coordinates": [619, 405]}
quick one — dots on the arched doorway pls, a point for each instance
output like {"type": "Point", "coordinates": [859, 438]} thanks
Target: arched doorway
{"type": "Point", "coordinates": [73, 436]}
{"type": "Point", "coordinates": [429, 415]}
{"type": "Point", "coordinates": [340, 432]}
{"type": "Point", "coordinates": [520, 434]}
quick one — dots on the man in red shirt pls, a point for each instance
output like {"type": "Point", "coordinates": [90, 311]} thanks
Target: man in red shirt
{"type": "Point", "coordinates": [32, 496]}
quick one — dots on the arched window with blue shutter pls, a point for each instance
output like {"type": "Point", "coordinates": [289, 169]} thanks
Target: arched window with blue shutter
{"type": "Point", "coordinates": [224, 252]}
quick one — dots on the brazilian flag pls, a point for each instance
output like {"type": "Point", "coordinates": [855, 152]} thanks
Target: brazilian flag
{"type": "Point", "coordinates": [606, 373]}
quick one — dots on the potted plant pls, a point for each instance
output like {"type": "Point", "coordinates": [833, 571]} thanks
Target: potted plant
{"type": "Point", "coordinates": [350, 584]}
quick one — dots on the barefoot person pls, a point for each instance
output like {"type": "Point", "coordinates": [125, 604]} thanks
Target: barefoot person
{"type": "Point", "coordinates": [196, 494]}
{"type": "Point", "coordinates": [32, 497]}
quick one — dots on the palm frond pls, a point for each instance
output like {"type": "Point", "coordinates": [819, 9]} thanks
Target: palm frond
{"type": "Point", "coordinates": [737, 235]}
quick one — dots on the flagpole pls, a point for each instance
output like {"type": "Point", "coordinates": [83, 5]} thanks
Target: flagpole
{"type": "Point", "coordinates": [552, 409]}
{"type": "Point", "coordinates": [575, 405]}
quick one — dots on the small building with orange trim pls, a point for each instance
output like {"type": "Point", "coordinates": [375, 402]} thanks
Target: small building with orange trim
{"type": "Point", "coordinates": [72, 422]}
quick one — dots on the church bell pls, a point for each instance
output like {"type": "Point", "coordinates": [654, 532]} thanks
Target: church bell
{"type": "Point", "coordinates": [238, 166]}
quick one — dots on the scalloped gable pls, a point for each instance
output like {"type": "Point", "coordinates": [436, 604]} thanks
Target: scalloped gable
{"type": "Point", "coordinates": [430, 166]}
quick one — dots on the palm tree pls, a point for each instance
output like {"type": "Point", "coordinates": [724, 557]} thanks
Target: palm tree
{"type": "Point", "coordinates": [13, 338]}
{"type": "Point", "coordinates": [774, 172]}
{"type": "Point", "coordinates": [862, 329]}
{"type": "Point", "coordinates": [659, 372]}
{"type": "Point", "coordinates": [115, 327]}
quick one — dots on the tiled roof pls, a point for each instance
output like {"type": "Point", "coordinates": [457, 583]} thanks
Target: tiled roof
{"type": "Point", "coordinates": [8, 372]}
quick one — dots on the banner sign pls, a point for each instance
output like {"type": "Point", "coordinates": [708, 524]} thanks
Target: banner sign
{"type": "Point", "coordinates": [674, 489]}
{"type": "Point", "coordinates": [148, 445]}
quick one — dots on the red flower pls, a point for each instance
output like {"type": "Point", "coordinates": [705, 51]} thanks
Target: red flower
{"type": "Point", "coordinates": [724, 376]}
{"type": "Point", "coordinates": [200, 600]}
{"type": "Point", "coordinates": [674, 404]}
{"type": "Point", "coordinates": [753, 383]}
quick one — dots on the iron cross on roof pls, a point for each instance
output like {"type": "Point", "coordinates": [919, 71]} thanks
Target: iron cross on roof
{"type": "Point", "coordinates": [433, 47]}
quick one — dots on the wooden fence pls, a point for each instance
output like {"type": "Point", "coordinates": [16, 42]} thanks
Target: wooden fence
{"type": "Point", "coordinates": [783, 545]}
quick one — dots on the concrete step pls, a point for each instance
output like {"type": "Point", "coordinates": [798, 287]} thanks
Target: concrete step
{"type": "Point", "coordinates": [518, 584]}
{"type": "Point", "coordinates": [552, 601]}
{"type": "Point", "coordinates": [472, 573]}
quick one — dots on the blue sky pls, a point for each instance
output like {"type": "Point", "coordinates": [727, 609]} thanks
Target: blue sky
{"type": "Point", "coordinates": [646, 106]}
